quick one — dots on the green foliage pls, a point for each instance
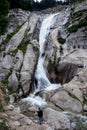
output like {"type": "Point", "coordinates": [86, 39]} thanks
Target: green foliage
{"type": "Point", "coordinates": [3, 124]}
{"type": "Point", "coordinates": [61, 40]}
{"type": "Point", "coordinates": [75, 27]}
{"type": "Point", "coordinates": [9, 36]}
{"type": "Point", "coordinates": [1, 107]}
{"type": "Point", "coordinates": [76, 15]}
{"type": "Point", "coordinates": [3, 24]}
{"type": "Point", "coordinates": [14, 51]}
{"type": "Point", "coordinates": [6, 98]}
{"type": "Point", "coordinates": [5, 81]}
{"type": "Point", "coordinates": [82, 23]}
{"type": "Point", "coordinates": [31, 4]}
{"type": "Point", "coordinates": [2, 49]}
{"type": "Point", "coordinates": [23, 46]}
{"type": "Point", "coordinates": [4, 9]}
{"type": "Point", "coordinates": [85, 99]}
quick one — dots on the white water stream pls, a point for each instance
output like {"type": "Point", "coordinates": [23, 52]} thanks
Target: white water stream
{"type": "Point", "coordinates": [41, 80]}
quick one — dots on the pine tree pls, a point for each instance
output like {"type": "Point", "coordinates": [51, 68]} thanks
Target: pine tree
{"type": "Point", "coordinates": [4, 9]}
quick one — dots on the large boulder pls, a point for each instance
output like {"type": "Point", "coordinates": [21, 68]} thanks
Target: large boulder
{"type": "Point", "coordinates": [56, 119]}
{"type": "Point", "coordinates": [74, 88]}
{"type": "Point", "coordinates": [13, 81]}
{"type": "Point", "coordinates": [7, 62]}
{"type": "Point", "coordinates": [63, 100]}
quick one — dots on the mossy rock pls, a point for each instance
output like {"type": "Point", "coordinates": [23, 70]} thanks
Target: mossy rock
{"type": "Point", "coordinates": [61, 40]}
{"type": "Point", "coordinates": [3, 124]}
{"type": "Point", "coordinates": [75, 27]}
{"type": "Point", "coordinates": [1, 107]}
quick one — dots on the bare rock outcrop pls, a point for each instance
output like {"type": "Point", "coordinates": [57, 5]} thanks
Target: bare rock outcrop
{"type": "Point", "coordinates": [17, 17]}
{"type": "Point", "coordinates": [28, 68]}
{"type": "Point", "coordinates": [18, 60]}
{"type": "Point", "coordinates": [13, 81]}
{"type": "Point", "coordinates": [7, 62]}
{"type": "Point", "coordinates": [66, 102]}
{"type": "Point", "coordinates": [16, 39]}
{"type": "Point", "coordinates": [56, 119]}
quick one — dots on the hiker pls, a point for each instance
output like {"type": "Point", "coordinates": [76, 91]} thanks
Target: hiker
{"type": "Point", "coordinates": [40, 115]}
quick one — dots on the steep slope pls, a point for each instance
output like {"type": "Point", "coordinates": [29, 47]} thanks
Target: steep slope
{"type": "Point", "coordinates": [65, 62]}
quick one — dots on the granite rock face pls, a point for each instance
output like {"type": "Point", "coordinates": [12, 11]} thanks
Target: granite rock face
{"type": "Point", "coordinates": [65, 63]}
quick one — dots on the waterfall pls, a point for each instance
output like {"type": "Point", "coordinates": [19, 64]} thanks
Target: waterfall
{"type": "Point", "coordinates": [41, 80]}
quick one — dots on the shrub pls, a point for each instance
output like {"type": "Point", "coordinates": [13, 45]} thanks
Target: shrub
{"type": "Point", "coordinates": [61, 40]}
{"type": "Point", "coordinates": [23, 46]}
{"type": "Point", "coordinates": [6, 98]}
{"type": "Point", "coordinates": [1, 107]}
{"type": "Point", "coordinates": [75, 27]}
{"type": "Point", "coordinates": [3, 124]}
{"type": "Point", "coordinates": [4, 9]}
{"type": "Point", "coordinates": [10, 35]}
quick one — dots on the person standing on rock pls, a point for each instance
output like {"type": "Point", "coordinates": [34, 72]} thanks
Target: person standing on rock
{"type": "Point", "coordinates": [40, 115]}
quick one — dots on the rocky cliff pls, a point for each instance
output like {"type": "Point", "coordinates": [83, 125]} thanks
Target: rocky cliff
{"type": "Point", "coordinates": [65, 63]}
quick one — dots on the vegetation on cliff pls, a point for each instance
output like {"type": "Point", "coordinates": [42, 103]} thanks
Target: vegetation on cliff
{"type": "Point", "coordinates": [4, 9]}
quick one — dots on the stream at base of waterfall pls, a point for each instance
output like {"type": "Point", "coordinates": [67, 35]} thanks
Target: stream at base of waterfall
{"type": "Point", "coordinates": [42, 82]}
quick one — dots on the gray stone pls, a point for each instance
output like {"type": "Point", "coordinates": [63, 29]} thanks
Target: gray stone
{"type": "Point", "coordinates": [13, 81]}
{"type": "Point", "coordinates": [56, 119]}
{"type": "Point", "coordinates": [28, 68]}
{"type": "Point", "coordinates": [18, 60]}
{"type": "Point", "coordinates": [16, 39]}
{"type": "Point", "coordinates": [7, 62]}
{"type": "Point", "coordinates": [66, 102]}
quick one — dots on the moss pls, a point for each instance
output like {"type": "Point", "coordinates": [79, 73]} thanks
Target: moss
{"type": "Point", "coordinates": [61, 40]}
{"type": "Point", "coordinates": [14, 51]}
{"type": "Point", "coordinates": [9, 36]}
{"type": "Point", "coordinates": [82, 23]}
{"type": "Point", "coordinates": [1, 107]}
{"type": "Point", "coordinates": [23, 46]}
{"type": "Point", "coordinates": [5, 81]}
{"type": "Point", "coordinates": [26, 32]}
{"type": "Point", "coordinates": [76, 15]}
{"type": "Point", "coordinates": [3, 124]}
{"type": "Point", "coordinates": [6, 98]}
{"type": "Point", "coordinates": [2, 49]}
{"type": "Point", "coordinates": [74, 28]}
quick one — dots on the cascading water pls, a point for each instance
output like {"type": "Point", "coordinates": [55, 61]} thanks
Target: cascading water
{"type": "Point", "coordinates": [40, 74]}
{"type": "Point", "coordinates": [41, 80]}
